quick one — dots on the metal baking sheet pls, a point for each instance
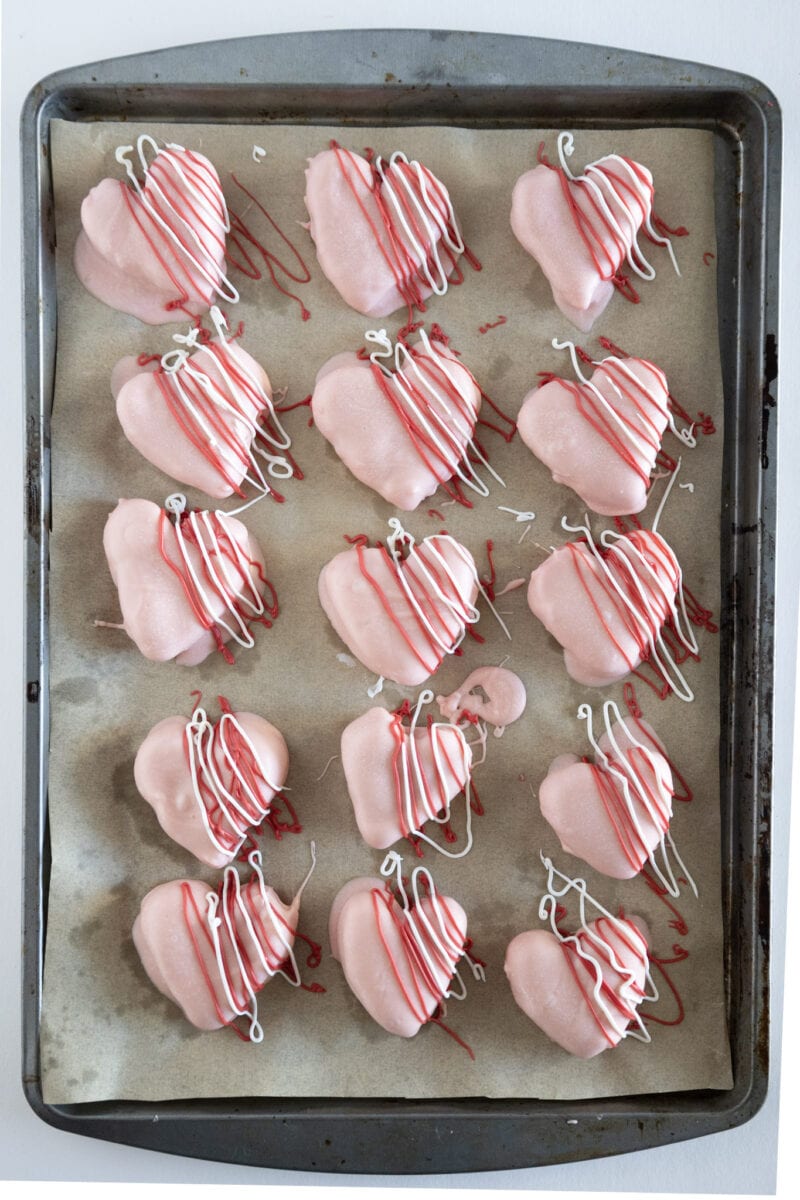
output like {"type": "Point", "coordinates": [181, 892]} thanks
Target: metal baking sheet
{"type": "Point", "coordinates": [413, 77]}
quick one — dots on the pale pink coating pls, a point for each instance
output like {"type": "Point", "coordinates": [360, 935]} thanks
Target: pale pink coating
{"type": "Point", "coordinates": [586, 617]}
{"type": "Point", "coordinates": [545, 988]}
{"type": "Point", "coordinates": [505, 697]}
{"type": "Point", "coordinates": [149, 426]}
{"type": "Point", "coordinates": [116, 262]}
{"type": "Point", "coordinates": [352, 411]}
{"type": "Point", "coordinates": [170, 956]}
{"type": "Point", "coordinates": [572, 804]}
{"type": "Point", "coordinates": [543, 223]}
{"type": "Point", "coordinates": [370, 948]}
{"type": "Point", "coordinates": [164, 779]}
{"type": "Point", "coordinates": [369, 753]}
{"type": "Point", "coordinates": [348, 245]}
{"type": "Point", "coordinates": [156, 613]}
{"type": "Point", "coordinates": [359, 616]}
{"type": "Point", "coordinates": [579, 456]}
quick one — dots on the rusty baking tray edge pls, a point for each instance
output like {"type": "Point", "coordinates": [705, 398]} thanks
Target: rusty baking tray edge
{"type": "Point", "coordinates": [420, 76]}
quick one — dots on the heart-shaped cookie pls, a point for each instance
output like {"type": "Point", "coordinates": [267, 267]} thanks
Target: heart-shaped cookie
{"type": "Point", "coordinates": [606, 606]}
{"type": "Point", "coordinates": [582, 230]}
{"type": "Point", "coordinates": [385, 232]}
{"type": "Point", "coordinates": [206, 419]}
{"type": "Point", "coordinates": [404, 432]}
{"type": "Point", "coordinates": [400, 616]}
{"type": "Point", "coordinates": [211, 951]}
{"type": "Point", "coordinates": [600, 436]}
{"type": "Point", "coordinates": [582, 990]}
{"type": "Point", "coordinates": [211, 782]}
{"type": "Point", "coordinates": [398, 957]}
{"type": "Point", "coordinates": [156, 249]}
{"type": "Point", "coordinates": [615, 811]}
{"type": "Point", "coordinates": [400, 776]}
{"type": "Point", "coordinates": [188, 581]}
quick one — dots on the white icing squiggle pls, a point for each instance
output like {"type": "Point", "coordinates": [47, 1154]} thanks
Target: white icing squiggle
{"type": "Point", "coordinates": [630, 994]}
{"type": "Point", "coordinates": [207, 198]}
{"type": "Point", "coordinates": [430, 408]}
{"type": "Point", "coordinates": [636, 792]}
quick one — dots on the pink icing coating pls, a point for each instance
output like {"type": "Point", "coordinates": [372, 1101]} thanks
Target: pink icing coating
{"type": "Point", "coordinates": [554, 988]}
{"type": "Point", "coordinates": [375, 442]}
{"type": "Point", "coordinates": [164, 779]}
{"type": "Point", "coordinates": [370, 761]}
{"type": "Point", "coordinates": [363, 599]}
{"type": "Point", "coordinates": [573, 804]}
{"type": "Point", "coordinates": [587, 448]}
{"type": "Point", "coordinates": [149, 426]}
{"type": "Point", "coordinates": [505, 702]}
{"type": "Point", "coordinates": [366, 936]}
{"type": "Point", "coordinates": [177, 953]}
{"type": "Point", "coordinates": [156, 612]}
{"type": "Point", "coordinates": [125, 258]}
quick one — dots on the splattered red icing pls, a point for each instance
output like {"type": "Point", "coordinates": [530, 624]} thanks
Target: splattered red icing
{"type": "Point", "coordinates": [400, 956]}
{"type": "Point", "coordinates": [401, 776]}
{"type": "Point", "coordinates": [211, 951]}
{"type": "Point", "coordinates": [583, 990]}
{"type": "Point", "coordinates": [211, 782]}
{"type": "Point", "coordinates": [156, 249]}
{"type": "Point", "coordinates": [385, 231]}
{"type": "Point", "coordinates": [206, 418]}
{"type": "Point", "coordinates": [245, 241]}
{"type": "Point", "coordinates": [582, 229]}
{"type": "Point", "coordinates": [406, 428]}
{"type": "Point", "coordinates": [188, 581]}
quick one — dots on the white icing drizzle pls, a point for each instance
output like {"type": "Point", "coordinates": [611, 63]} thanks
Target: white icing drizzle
{"type": "Point", "coordinates": [515, 512]}
{"type": "Point", "coordinates": [208, 747]}
{"type": "Point", "coordinates": [243, 404]}
{"type": "Point", "coordinates": [449, 430]}
{"type": "Point", "coordinates": [431, 938]}
{"type": "Point", "coordinates": [238, 591]}
{"type": "Point", "coordinates": [604, 192]}
{"type": "Point", "coordinates": [413, 791]}
{"type": "Point", "coordinates": [636, 794]}
{"type": "Point", "coordinates": [468, 614]}
{"type": "Point", "coordinates": [648, 620]}
{"type": "Point", "coordinates": [232, 905]}
{"type": "Point", "coordinates": [688, 486]}
{"type": "Point", "coordinates": [629, 993]}
{"type": "Point", "coordinates": [177, 228]}
{"type": "Point", "coordinates": [641, 443]}
{"type": "Point", "coordinates": [259, 154]}
{"type": "Point", "coordinates": [429, 211]}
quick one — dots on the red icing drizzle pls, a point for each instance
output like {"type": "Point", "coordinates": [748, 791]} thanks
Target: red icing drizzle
{"type": "Point", "coordinates": [422, 987]}
{"type": "Point", "coordinates": [242, 236]}
{"type": "Point", "coordinates": [492, 325]}
{"type": "Point", "coordinates": [604, 243]}
{"type": "Point", "coordinates": [388, 232]}
{"type": "Point", "coordinates": [219, 583]}
{"type": "Point", "coordinates": [447, 621]}
{"type": "Point", "coordinates": [679, 953]}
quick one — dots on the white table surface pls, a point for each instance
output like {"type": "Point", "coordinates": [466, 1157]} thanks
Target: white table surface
{"type": "Point", "coordinates": [40, 36]}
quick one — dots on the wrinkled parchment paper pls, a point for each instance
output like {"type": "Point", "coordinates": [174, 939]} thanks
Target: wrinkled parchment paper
{"type": "Point", "coordinates": [107, 1032]}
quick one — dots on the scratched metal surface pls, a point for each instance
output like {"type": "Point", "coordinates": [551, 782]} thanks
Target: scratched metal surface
{"type": "Point", "coordinates": [413, 77]}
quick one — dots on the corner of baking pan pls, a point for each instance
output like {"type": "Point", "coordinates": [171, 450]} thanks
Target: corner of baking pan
{"type": "Point", "coordinates": [394, 77]}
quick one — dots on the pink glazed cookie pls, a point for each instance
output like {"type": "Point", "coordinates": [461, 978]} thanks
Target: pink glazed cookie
{"type": "Point", "coordinates": [189, 581]}
{"type": "Point", "coordinates": [204, 418]}
{"type": "Point", "coordinates": [210, 783]}
{"type": "Point", "coordinates": [405, 431]}
{"type": "Point", "coordinates": [156, 249]}
{"type": "Point", "coordinates": [385, 232]}
{"type": "Point", "coordinates": [211, 951]}
{"type": "Point", "coordinates": [583, 230]}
